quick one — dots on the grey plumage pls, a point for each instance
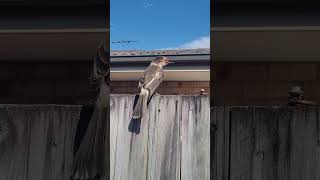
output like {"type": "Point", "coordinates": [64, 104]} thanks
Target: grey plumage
{"type": "Point", "coordinates": [152, 78]}
{"type": "Point", "coordinates": [90, 159]}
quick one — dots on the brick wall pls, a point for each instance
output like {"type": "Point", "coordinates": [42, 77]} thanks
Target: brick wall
{"type": "Point", "coordinates": [66, 83]}
{"type": "Point", "coordinates": [39, 83]}
{"type": "Point", "coordinates": [262, 83]}
{"type": "Point", "coordinates": [166, 88]}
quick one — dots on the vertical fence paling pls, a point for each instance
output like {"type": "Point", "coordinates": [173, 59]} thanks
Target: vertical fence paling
{"type": "Point", "coordinates": [268, 143]}
{"type": "Point", "coordinates": [173, 142]}
{"type": "Point", "coordinates": [44, 136]}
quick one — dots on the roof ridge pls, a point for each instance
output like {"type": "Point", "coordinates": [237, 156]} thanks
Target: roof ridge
{"type": "Point", "coordinates": [160, 52]}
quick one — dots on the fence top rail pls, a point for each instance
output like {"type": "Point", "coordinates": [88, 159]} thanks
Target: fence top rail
{"type": "Point", "coordinates": [266, 106]}
{"type": "Point", "coordinates": [117, 95]}
{"type": "Point", "coordinates": [41, 105]}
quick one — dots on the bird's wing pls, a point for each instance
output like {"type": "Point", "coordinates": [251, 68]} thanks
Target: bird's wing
{"type": "Point", "coordinates": [101, 71]}
{"type": "Point", "coordinates": [153, 76]}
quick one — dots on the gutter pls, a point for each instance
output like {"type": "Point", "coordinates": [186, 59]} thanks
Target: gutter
{"type": "Point", "coordinates": [184, 57]}
{"type": "Point", "coordinates": [183, 63]}
{"type": "Point", "coordinates": [265, 28]}
{"type": "Point", "coordinates": [49, 31]}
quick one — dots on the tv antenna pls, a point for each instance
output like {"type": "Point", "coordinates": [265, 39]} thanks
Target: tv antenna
{"type": "Point", "coordinates": [123, 42]}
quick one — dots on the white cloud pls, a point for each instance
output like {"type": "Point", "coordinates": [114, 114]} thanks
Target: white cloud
{"type": "Point", "coordinates": [147, 5]}
{"type": "Point", "coordinates": [201, 42]}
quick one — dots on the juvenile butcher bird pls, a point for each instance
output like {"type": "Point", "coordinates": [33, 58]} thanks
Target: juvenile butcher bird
{"type": "Point", "coordinates": [150, 81]}
{"type": "Point", "coordinates": [90, 160]}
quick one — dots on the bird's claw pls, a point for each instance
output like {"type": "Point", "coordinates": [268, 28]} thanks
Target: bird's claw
{"type": "Point", "coordinates": [135, 117]}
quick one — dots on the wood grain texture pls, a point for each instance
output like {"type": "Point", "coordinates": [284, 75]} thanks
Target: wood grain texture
{"type": "Point", "coordinates": [173, 142]}
{"type": "Point", "coordinates": [304, 155]}
{"type": "Point", "coordinates": [14, 165]}
{"type": "Point", "coordinates": [283, 144]}
{"type": "Point", "coordinates": [269, 143]}
{"type": "Point", "coordinates": [128, 151]}
{"type": "Point", "coordinates": [164, 140]}
{"type": "Point", "coordinates": [44, 142]}
{"type": "Point", "coordinates": [220, 157]}
{"type": "Point", "coordinates": [173, 139]}
{"type": "Point", "coordinates": [264, 158]}
{"type": "Point", "coordinates": [241, 145]}
{"type": "Point", "coordinates": [195, 129]}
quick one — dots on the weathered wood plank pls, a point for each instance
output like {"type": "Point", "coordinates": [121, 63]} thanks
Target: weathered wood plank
{"type": "Point", "coordinates": [127, 153]}
{"type": "Point", "coordinates": [316, 148]}
{"type": "Point", "coordinates": [213, 142]}
{"type": "Point", "coordinates": [40, 141]}
{"type": "Point", "coordinates": [304, 154]}
{"type": "Point", "coordinates": [271, 143]}
{"type": "Point", "coordinates": [14, 165]}
{"type": "Point", "coordinates": [195, 129]}
{"type": "Point", "coordinates": [45, 137]}
{"type": "Point", "coordinates": [220, 162]}
{"type": "Point", "coordinates": [241, 143]}
{"type": "Point", "coordinates": [283, 146]}
{"type": "Point", "coordinates": [226, 169]}
{"type": "Point", "coordinates": [155, 153]}
{"type": "Point", "coordinates": [164, 138]}
{"type": "Point", "coordinates": [50, 149]}
{"type": "Point", "coordinates": [59, 160]}
{"type": "Point", "coordinates": [264, 159]}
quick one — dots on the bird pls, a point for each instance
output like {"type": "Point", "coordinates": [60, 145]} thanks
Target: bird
{"type": "Point", "coordinates": [89, 159]}
{"type": "Point", "coordinates": [152, 78]}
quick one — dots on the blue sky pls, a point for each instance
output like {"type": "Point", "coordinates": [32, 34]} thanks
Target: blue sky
{"type": "Point", "coordinates": [160, 24]}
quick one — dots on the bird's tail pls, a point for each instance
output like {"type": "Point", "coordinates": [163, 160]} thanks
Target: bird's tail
{"type": "Point", "coordinates": [141, 103]}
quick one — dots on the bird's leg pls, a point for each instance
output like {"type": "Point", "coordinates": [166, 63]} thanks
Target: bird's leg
{"type": "Point", "coordinates": [144, 101]}
{"type": "Point", "coordinates": [151, 96]}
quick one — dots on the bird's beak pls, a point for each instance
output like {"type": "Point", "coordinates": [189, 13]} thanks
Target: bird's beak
{"type": "Point", "coordinates": [170, 61]}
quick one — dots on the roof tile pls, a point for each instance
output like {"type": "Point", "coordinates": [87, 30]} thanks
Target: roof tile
{"type": "Point", "coordinates": [160, 52]}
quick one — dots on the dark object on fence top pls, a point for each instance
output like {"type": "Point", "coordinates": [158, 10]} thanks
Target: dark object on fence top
{"type": "Point", "coordinates": [296, 90]}
{"type": "Point", "coordinates": [296, 97]}
{"type": "Point", "coordinates": [203, 92]}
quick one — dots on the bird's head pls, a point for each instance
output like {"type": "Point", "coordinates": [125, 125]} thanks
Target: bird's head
{"type": "Point", "coordinates": [162, 61]}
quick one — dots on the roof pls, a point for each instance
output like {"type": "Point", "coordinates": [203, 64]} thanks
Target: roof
{"type": "Point", "coordinates": [202, 51]}
{"type": "Point", "coordinates": [190, 64]}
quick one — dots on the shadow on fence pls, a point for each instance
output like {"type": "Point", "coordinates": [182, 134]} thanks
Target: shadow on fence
{"type": "Point", "coordinates": [173, 142]}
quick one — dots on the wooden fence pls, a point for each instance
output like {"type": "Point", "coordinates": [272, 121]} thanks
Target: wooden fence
{"type": "Point", "coordinates": [265, 143]}
{"type": "Point", "coordinates": [43, 136]}
{"type": "Point", "coordinates": [173, 142]}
